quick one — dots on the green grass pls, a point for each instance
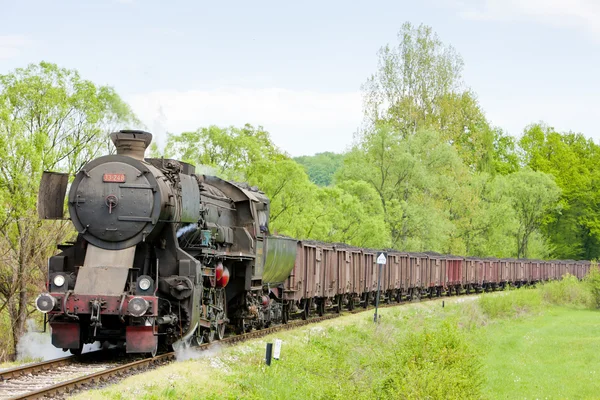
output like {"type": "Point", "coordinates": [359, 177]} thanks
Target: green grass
{"type": "Point", "coordinates": [514, 344]}
{"type": "Point", "coordinates": [552, 356]}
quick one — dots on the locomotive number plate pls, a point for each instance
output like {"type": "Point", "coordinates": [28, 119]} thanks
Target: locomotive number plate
{"type": "Point", "coordinates": [119, 178]}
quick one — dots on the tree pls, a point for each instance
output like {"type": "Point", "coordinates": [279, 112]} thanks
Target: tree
{"type": "Point", "coordinates": [574, 231]}
{"type": "Point", "coordinates": [413, 178]}
{"type": "Point", "coordinates": [505, 157]}
{"type": "Point", "coordinates": [321, 167]}
{"type": "Point", "coordinates": [418, 85]}
{"type": "Point", "coordinates": [229, 150]}
{"type": "Point", "coordinates": [50, 119]}
{"type": "Point", "coordinates": [484, 219]}
{"type": "Point", "coordinates": [534, 195]}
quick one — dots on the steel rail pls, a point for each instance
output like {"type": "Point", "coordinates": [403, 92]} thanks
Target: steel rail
{"type": "Point", "coordinates": [35, 368]}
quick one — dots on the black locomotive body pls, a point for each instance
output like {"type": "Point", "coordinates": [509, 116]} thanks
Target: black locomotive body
{"type": "Point", "coordinates": [163, 256]}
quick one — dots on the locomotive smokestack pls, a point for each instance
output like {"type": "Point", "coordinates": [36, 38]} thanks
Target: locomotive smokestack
{"type": "Point", "coordinates": [131, 143]}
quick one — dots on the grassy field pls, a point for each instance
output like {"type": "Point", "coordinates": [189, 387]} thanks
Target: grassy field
{"type": "Point", "coordinates": [516, 344]}
{"type": "Point", "coordinates": [552, 356]}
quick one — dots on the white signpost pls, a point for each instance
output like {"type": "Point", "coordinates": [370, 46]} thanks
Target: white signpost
{"type": "Point", "coordinates": [381, 261]}
{"type": "Point", "coordinates": [277, 350]}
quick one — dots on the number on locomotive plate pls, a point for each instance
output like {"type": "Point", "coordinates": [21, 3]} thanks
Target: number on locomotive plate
{"type": "Point", "coordinates": [114, 178]}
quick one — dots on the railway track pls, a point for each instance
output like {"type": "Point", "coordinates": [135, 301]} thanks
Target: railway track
{"type": "Point", "coordinates": [63, 376]}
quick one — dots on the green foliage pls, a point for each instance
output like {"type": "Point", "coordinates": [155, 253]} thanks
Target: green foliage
{"type": "Point", "coordinates": [534, 195]}
{"type": "Point", "coordinates": [569, 291]}
{"type": "Point", "coordinates": [515, 303]}
{"type": "Point", "coordinates": [573, 230]}
{"type": "Point", "coordinates": [321, 167]}
{"type": "Point", "coordinates": [50, 119]}
{"type": "Point", "coordinates": [412, 176]}
{"type": "Point", "coordinates": [418, 86]}
{"type": "Point", "coordinates": [436, 363]}
{"type": "Point", "coordinates": [593, 284]}
{"type": "Point", "coordinates": [505, 155]}
{"type": "Point", "coordinates": [231, 151]}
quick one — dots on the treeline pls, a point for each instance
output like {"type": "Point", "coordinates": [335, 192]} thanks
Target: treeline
{"type": "Point", "coordinates": [427, 171]}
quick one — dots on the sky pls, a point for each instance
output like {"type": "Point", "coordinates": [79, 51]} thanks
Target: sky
{"type": "Point", "coordinates": [296, 68]}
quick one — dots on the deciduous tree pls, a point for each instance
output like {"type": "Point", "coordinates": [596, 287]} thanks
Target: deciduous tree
{"type": "Point", "coordinates": [50, 119]}
{"type": "Point", "coordinates": [418, 85]}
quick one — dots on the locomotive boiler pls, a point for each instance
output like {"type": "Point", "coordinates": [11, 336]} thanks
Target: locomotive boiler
{"type": "Point", "coordinates": [163, 256]}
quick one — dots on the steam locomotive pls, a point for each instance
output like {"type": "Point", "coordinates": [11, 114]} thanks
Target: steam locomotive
{"type": "Point", "coordinates": [163, 256]}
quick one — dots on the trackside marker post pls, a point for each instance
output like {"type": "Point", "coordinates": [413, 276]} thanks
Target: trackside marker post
{"type": "Point", "coordinates": [277, 349]}
{"type": "Point", "coordinates": [381, 261]}
{"type": "Point", "coordinates": [269, 353]}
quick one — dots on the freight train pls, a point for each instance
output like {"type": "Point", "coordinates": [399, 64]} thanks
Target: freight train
{"type": "Point", "coordinates": [166, 257]}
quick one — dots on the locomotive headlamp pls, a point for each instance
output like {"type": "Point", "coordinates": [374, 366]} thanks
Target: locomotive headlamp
{"type": "Point", "coordinates": [45, 302]}
{"type": "Point", "coordinates": [144, 283]}
{"type": "Point", "coordinates": [59, 280]}
{"type": "Point", "coordinates": [138, 306]}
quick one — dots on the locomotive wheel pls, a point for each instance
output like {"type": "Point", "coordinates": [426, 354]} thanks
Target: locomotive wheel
{"type": "Point", "coordinates": [351, 303]}
{"type": "Point", "coordinates": [339, 305]}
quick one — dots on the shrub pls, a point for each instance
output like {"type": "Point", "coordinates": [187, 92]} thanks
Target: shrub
{"type": "Point", "coordinates": [593, 283]}
{"type": "Point", "coordinates": [514, 303]}
{"type": "Point", "coordinates": [569, 291]}
{"type": "Point", "coordinates": [433, 363]}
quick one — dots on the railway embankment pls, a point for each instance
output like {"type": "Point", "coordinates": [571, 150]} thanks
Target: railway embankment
{"type": "Point", "coordinates": [526, 343]}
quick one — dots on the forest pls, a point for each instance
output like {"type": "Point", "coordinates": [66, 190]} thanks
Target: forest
{"type": "Point", "coordinates": [426, 170]}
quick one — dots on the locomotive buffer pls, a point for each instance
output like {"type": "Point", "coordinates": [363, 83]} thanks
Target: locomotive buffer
{"type": "Point", "coordinates": [381, 261]}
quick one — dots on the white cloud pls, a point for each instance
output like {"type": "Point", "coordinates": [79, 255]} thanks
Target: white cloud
{"type": "Point", "coordinates": [300, 122]}
{"type": "Point", "coordinates": [11, 45]}
{"type": "Point", "coordinates": [583, 14]}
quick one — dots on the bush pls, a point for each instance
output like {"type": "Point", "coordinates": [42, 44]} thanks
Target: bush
{"type": "Point", "coordinates": [593, 283]}
{"type": "Point", "coordinates": [434, 363]}
{"type": "Point", "coordinates": [514, 303]}
{"type": "Point", "coordinates": [569, 291]}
